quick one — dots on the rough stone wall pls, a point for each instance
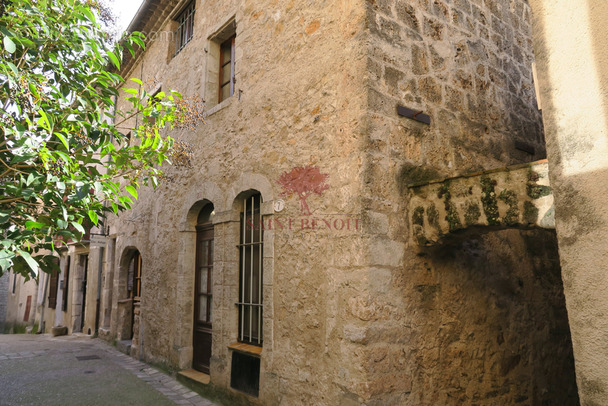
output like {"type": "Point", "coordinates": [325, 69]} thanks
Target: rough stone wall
{"type": "Point", "coordinates": [429, 323]}
{"type": "Point", "coordinates": [490, 323]}
{"type": "Point", "coordinates": [466, 63]}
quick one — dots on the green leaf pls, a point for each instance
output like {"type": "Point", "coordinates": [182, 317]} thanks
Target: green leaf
{"type": "Point", "coordinates": [132, 191]}
{"type": "Point", "coordinates": [30, 261]}
{"type": "Point", "coordinates": [9, 45]}
{"type": "Point", "coordinates": [13, 67]}
{"type": "Point", "coordinates": [63, 140]}
{"type": "Point", "coordinates": [33, 225]}
{"type": "Point", "coordinates": [114, 59]}
{"type": "Point", "coordinates": [93, 216]}
{"type": "Point", "coordinates": [78, 227]}
{"type": "Point", "coordinates": [30, 179]}
{"type": "Point", "coordinates": [5, 260]}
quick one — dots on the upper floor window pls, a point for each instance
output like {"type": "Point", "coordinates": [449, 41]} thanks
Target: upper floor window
{"type": "Point", "coordinates": [185, 29]}
{"type": "Point", "coordinates": [226, 69]}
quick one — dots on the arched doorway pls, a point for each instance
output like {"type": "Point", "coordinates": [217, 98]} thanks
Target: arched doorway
{"type": "Point", "coordinates": [203, 298]}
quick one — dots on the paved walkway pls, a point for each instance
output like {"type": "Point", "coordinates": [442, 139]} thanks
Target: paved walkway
{"type": "Point", "coordinates": [78, 370]}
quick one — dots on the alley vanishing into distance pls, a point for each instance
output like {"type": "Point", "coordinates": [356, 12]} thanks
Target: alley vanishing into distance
{"type": "Point", "coordinates": [78, 370]}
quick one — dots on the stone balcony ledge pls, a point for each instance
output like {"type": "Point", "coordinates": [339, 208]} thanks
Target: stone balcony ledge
{"type": "Point", "coordinates": [517, 196]}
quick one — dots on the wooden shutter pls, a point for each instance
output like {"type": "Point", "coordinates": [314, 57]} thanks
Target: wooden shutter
{"type": "Point", "coordinates": [53, 285]}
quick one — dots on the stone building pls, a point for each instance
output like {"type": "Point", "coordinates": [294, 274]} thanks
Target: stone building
{"type": "Point", "coordinates": [324, 120]}
{"type": "Point", "coordinates": [368, 217]}
{"type": "Point", "coordinates": [20, 306]}
{"type": "Point", "coordinates": [66, 298]}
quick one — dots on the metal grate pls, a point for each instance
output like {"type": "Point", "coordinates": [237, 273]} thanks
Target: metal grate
{"type": "Point", "coordinates": [185, 30]}
{"type": "Point", "coordinates": [87, 357]}
{"type": "Point", "coordinates": [250, 292]}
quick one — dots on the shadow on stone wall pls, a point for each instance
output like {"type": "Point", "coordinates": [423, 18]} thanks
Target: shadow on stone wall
{"type": "Point", "coordinates": [496, 328]}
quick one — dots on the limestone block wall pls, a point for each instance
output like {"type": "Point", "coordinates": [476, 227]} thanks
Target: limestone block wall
{"type": "Point", "coordinates": [517, 196]}
{"type": "Point", "coordinates": [467, 64]}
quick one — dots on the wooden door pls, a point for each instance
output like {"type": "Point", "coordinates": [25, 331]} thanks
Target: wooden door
{"type": "Point", "coordinates": [203, 298]}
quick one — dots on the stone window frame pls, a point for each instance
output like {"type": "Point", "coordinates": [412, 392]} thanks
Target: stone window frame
{"type": "Point", "coordinates": [185, 26]}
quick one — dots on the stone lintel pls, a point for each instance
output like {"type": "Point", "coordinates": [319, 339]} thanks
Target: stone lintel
{"type": "Point", "coordinates": [518, 196]}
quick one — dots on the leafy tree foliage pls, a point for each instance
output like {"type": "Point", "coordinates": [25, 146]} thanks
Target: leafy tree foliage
{"type": "Point", "coordinates": [64, 163]}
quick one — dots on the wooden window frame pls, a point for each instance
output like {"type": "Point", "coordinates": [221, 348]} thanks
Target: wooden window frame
{"type": "Point", "coordinates": [251, 272]}
{"type": "Point", "coordinates": [185, 28]}
{"type": "Point", "coordinates": [230, 42]}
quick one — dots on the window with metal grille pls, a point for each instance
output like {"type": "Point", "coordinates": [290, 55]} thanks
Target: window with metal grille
{"type": "Point", "coordinates": [185, 29]}
{"type": "Point", "coordinates": [250, 279]}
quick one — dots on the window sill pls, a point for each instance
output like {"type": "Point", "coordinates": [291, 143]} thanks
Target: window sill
{"type": "Point", "coordinates": [219, 106]}
{"type": "Point", "coordinates": [246, 348]}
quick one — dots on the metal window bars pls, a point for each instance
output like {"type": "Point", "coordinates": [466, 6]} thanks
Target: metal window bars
{"type": "Point", "coordinates": [185, 30]}
{"type": "Point", "coordinates": [250, 286]}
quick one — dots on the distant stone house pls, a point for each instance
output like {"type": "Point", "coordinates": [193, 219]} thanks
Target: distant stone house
{"type": "Point", "coordinates": [281, 264]}
{"type": "Point", "coordinates": [64, 298]}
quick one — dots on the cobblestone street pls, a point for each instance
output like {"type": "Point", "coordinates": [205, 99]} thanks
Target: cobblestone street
{"type": "Point", "coordinates": [78, 370]}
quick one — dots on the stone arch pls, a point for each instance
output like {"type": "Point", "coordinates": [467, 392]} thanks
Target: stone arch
{"type": "Point", "coordinates": [126, 303]}
{"type": "Point", "coordinates": [249, 183]}
{"type": "Point", "coordinates": [196, 197]}
{"type": "Point", "coordinates": [186, 274]}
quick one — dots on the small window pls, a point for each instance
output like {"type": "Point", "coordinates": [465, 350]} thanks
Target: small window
{"type": "Point", "coordinates": [221, 64]}
{"type": "Point", "coordinates": [226, 69]}
{"type": "Point", "coordinates": [185, 29]}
